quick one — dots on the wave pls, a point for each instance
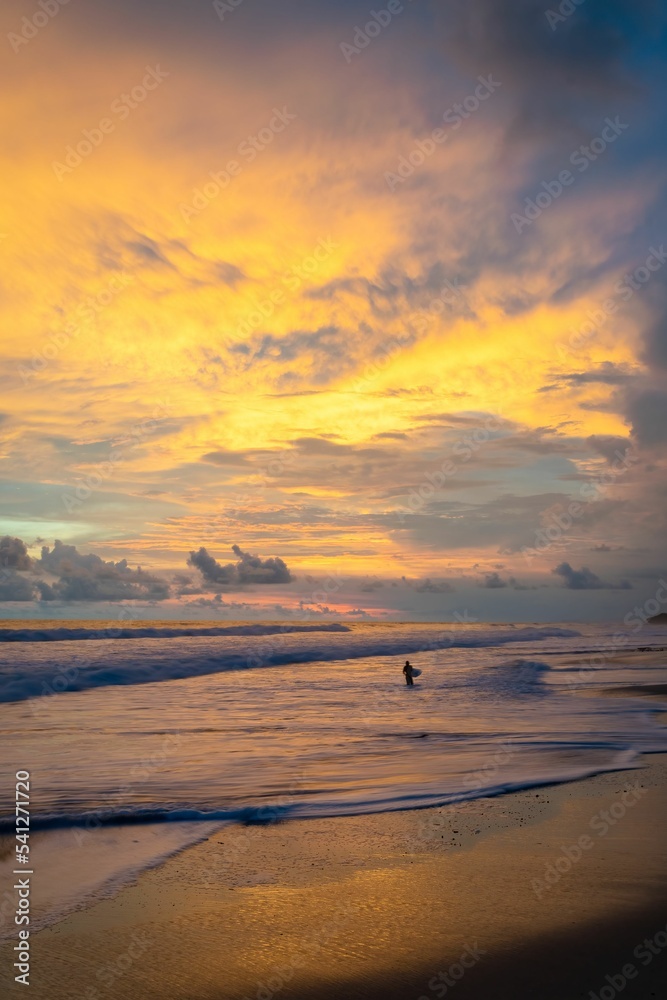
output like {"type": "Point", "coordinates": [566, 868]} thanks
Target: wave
{"type": "Point", "coordinates": [153, 632]}
{"type": "Point", "coordinates": [140, 663]}
{"type": "Point", "coordinates": [515, 677]}
{"type": "Point", "coordinates": [320, 807]}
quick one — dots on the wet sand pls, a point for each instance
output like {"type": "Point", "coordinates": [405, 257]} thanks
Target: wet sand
{"type": "Point", "coordinates": [529, 895]}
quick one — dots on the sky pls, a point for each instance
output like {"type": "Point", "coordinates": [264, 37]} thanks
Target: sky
{"type": "Point", "coordinates": [327, 309]}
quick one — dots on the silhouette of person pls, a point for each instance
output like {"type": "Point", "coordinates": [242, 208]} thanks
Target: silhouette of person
{"type": "Point", "coordinates": [407, 670]}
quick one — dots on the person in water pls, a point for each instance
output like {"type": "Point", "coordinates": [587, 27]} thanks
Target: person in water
{"type": "Point", "coordinates": [407, 670]}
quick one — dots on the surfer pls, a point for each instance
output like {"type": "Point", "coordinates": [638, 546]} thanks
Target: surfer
{"type": "Point", "coordinates": [407, 670]}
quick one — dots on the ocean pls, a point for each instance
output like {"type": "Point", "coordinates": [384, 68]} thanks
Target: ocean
{"type": "Point", "coordinates": [144, 738]}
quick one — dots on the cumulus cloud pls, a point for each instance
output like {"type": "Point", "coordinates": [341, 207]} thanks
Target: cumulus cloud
{"type": "Point", "coordinates": [252, 569]}
{"type": "Point", "coordinates": [63, 573]}
{"type": "Point", "coordinates": [611, 447]}
{"type": "Point", "coordinates": [14, 587]}
{"type": "Point", "coordinates": [89, 578]}
{"type": "Point", "coordinates": [248, 569]}
{"type": "Point", "coordinates": [184, 585]}
{"type": "Point", "coordinates": [211, 570]}
{"type": "Point", "coordinates": [586, 579]}
{"type": "Point", "coordinates": [655, 334]}
{"type": "Point", "coordinates": [648, 413]}
{"type": "Point", "coordinates": [14, 554]}
{"type": "Point", "coordinates": [493, 581]}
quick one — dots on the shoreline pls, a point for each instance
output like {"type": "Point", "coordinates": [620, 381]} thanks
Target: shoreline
{"type": "Point", "coordinates": [382, 904]}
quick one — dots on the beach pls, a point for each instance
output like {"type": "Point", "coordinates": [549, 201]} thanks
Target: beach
{"type": "Point", "coordinates": [257, 829]}
{"type": "Point", "coordinates": [393, 905]}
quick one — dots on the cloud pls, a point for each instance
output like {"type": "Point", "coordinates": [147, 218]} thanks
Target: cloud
{"type": "Point", "coordinates": [648, 412]}
{"type": "Point", "coordinates": [252, 569]}
{"type": "Point", "coordinates": [225, 457]}
{"type": "Point", "coordinates": [319, 355]}
{"type": "Point", "coordinates": [555, 77]}
{"type": "Point", "coordinates": [338, 469]}
{"type": "Point", "coordinates": [14, 587]}
{"type": "Point", "coordinates": [493, 581]}
{"type": "Point", "coordinates": [609, 446]}
{"type": "Point", "coordinates": [606, 373]}
{"type": "Point", "coordinates": [89, 578]}
{"type": "Point", "coordinates": [65, 574]}
{"type": "Point", "coordinates": [248, 570]}
{"type": "Point", "coordinates": [184, 585]}
{"type": "Point", "coordinates": [434, 587]}
{"type": "Point", "coordinates": [211, 569]}
{"type": "Point", "coordinates": [148, 250]}
{"type": "Point", "coordinates": [655, 334]}
{"type": "Point", "coordinates": [14, 554]}
{"type": "Point", "coordinates": [586, 579]}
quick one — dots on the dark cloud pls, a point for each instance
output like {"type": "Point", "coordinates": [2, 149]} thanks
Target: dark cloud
{"type": "Point", "coordinates": [394, 290]}
{"type": "Point", "coordinates": [184, 585]}
{"type": "Point", "coordinates": [14, 587]}
{"type": "Point", "coordinates": [609, 446]}
{"type": "Point", "coordinates": [429, 586]}
{"type": "Point", "coordinates": [89, 578]}
{"type": "Point", "coordinates": [655, 332]}
{"type": "Point", "coordinates": [648, 413]}
{"type": "Point", "coordinates": [46, 591]}
{"type": "Point", "coordinates": [14, 554]}
{"type": "Point", "coordinates": [451, 419]}
{"type": "Point", "coordinates": [493, 581]}
{"type": "Point", "coordinates": [607, 373]}
{"type": "Point", "coordinates": [322, 354]}
{"type": "Point", "coordinates": [229, 274]}
{"type": "Point", "coordinates": [554, 77]}
{"type": "Point", "coordinates": [248, 570]}
{"type": "Point", "coordinates": [125, 247]}
{"type": "Point", "coordinates": [78, 577]}
{"type": "Point", "coordinates": [252, 569]}
{"type": "Point", "coordinates": [586, 579]}
{"type": "Point", "coordinates": [211, 569]}
{"type": "Point", "coordinates": [149, 251]}
{"type": "Point", "coordinates": [506, 523]}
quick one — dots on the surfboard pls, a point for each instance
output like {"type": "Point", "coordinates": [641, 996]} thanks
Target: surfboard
{"type": "Point", "coordinates": [416, 672]}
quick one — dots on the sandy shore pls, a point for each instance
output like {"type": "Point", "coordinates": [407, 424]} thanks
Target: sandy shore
{"type": "Point", "coordinates": [540, 894]}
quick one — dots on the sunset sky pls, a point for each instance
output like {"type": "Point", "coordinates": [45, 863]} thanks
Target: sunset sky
{"type": "Point", "coordinates": [382, 305]}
